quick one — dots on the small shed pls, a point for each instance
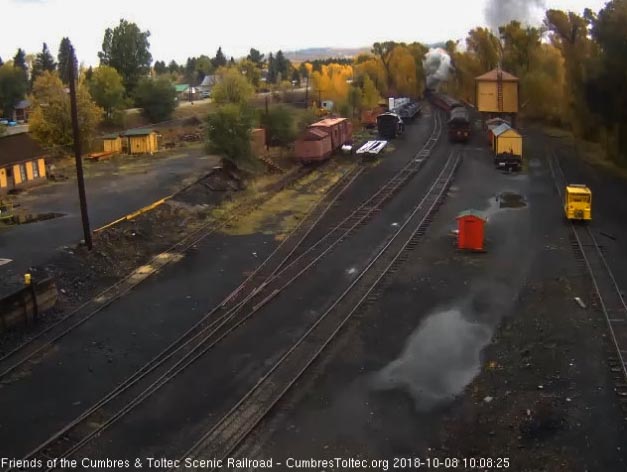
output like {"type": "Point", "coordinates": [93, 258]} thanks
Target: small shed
{"type": "Point", "coordinates": [471, 230]}
{"type": "Point", "coordinates": [507, 140]}
{"type": "Point", "coordinates": [140, 141]}
{"type": "Point", "coordinates": [112, 143]}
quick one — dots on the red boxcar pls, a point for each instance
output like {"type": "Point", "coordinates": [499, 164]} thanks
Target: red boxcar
{"type": "Point", "coordinates": [312, 146]}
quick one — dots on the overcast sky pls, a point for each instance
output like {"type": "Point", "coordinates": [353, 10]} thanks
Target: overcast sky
{"type": "Point", "coordinates": [194, 27]}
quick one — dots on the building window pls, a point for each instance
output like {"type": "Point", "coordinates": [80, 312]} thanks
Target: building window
{"type": "Point", "coordinates": [23, 172]}
{"type": "Point", "coordinates": [35, 166]}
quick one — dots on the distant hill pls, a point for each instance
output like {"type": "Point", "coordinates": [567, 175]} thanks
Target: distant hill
{"type": "Point", "coordinates": [310, 54]}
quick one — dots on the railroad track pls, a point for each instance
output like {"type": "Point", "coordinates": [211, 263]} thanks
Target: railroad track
{"type": "Point", "coordinates": [233, 427]}
{"type": "Point", "coordinates": [272, 277]}
{"type": "Point", "coordinates": [29, 350]}
{"type": "Point", "coordinates": [591, 258]}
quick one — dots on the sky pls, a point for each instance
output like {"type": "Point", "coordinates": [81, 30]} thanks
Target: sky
{"type": "Point", "coordinates": [194, 27]}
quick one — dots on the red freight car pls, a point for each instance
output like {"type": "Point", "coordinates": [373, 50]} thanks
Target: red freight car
{"type": "Point", "coordinates": [312, 146]}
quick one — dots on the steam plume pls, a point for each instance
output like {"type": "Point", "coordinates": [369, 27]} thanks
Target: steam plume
{"type": "Point", "coordinates": [437, 66]}
{"type": "Point", "coordinates": [501, 12]}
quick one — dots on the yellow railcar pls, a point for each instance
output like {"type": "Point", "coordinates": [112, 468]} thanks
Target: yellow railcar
{"type": "Point", "coordinates": [578, 202]}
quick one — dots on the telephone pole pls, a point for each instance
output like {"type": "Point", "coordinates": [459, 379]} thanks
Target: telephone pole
{"type": "Point", "coordinates": [80, 180]}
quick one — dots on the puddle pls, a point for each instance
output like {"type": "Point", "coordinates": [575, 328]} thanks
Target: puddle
{"type": "Point", "coordinates": [511, 200]}
{"type": "Point", "coordinates": [439, 359]}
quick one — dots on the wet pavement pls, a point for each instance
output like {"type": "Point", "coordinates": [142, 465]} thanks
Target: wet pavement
{"type": "Point", "coordinates": [112, 192]}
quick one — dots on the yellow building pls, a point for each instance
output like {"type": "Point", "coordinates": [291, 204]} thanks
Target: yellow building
{"type": "Point", "coordinates": [140, 141]}
{"type": "Point", "coordinates": [112, 143]}
{"type": "Point", "coordinates": [22, 162]}
{"type": "Point", "coordinates": [507, 141]}
{"type": "Point", "coordinates": [497, 92]}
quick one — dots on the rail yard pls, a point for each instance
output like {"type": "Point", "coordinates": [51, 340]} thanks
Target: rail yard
{"type": "Point", "coordinates": [406, 257]}
{"type": "Point", "coordinates": [365, 329]}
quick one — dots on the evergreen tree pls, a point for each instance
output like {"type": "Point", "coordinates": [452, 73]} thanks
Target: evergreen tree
{"type": "Point", "coordinates": [173, 67]}
{"type": "Point", "coordinates": [66, 53]}
{"type": "Point", "coordinates": [43, 62]}
{"type": "Point", "coordinates": [19, 60]}
{"type": "Point", "coordinates": [219, 60]}
{"type": "Point", "coordinates": [160, 67]}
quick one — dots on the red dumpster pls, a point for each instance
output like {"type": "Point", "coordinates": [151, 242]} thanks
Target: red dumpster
{"type": "Point", "coordinates": [470, 224]}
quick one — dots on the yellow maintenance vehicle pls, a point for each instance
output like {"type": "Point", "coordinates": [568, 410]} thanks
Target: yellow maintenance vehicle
{"type": "Point", "coordinates": [578, 202]}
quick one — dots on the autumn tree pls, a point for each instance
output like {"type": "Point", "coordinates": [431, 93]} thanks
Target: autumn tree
{"type": "Point", "coordinates": [519, 47]}
{"type": "Point", "coordinates": [156, 98]}
{"type": "Point", "coordinates": [332, 82]}
{"type": "Point", "coordinates": [569, 34]}
{"type": "Point", "coordinates": [370, 95]}
{"type": "Point", "coordinates": [12, 87]}
{"type": "Point", "coordinates": [232, 87]}
{"type": "Point", "coordinates": [383, 51]}
{"type": "Point", "coordinates": [107, 90]}
{"type": "Point", "coordinates": [485, 46]}
{"type": "Point", "coordinates": [126, 49]}
{"type": "Point", "coordinates": [372, 67]}
{"type": "Point", "coordinates": [66, 54]}
{"type": "Point", "coordinates": [251, 70]}
{"type": "Point", "coordinates": [51, 122]}
{"type": "Point", "coordinates": [402, 72]}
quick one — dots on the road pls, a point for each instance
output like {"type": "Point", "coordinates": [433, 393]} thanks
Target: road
{"type": "Point", "coordinates": [113, 190]}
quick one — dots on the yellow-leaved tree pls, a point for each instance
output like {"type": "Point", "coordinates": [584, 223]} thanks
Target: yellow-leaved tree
{"type": "Point", "coordinates": [50, 121]}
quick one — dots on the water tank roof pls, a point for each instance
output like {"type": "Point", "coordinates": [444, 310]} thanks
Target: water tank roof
{"type": "Point", "coordinates": [492, 76]}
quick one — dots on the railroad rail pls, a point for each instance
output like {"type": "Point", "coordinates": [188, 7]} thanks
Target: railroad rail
{"type": "Point", "coordinates": [610, 300]}
{"type": "Point", "coordinates": [233, 427]}
{"type": "Point", "coordinates": [235, 310]}
{"type": "Point", "coordinates": [29, 350]}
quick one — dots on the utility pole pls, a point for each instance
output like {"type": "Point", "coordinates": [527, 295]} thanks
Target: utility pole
{"type": "Point", "coordinates": [307, 92]}
{"type": "Point", "coordinates": [80, 180]}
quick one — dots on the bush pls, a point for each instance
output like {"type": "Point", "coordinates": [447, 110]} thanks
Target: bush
{"type": "Point", "coordinates": [279, 125]}
{"type": "Point", "coordinates": [228, 134]}
{"type": "Point", "coordinates": [157, 98]}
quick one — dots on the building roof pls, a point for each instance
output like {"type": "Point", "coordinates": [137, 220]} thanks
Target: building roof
{"type": "Point", "coordinates": [111, 136]}
{"type": "Point", "coordinates": [17, 148]}
{"type": "Point", "coordinates": [138, 132]}
{"type": "Point", "coordinates": [314, 134]}
{"type": "Point", "coordinates": [22, 105]}
{"type": "Point", "coordinates": [500, 129]}
{"type": "Point", "coordinates": [471, 212]}
{"type": "Point", "coordinates": [181, 87]}
{"type": "Point", "coordinates": [492, 76]}
{"type": "Point", "coordinates": [209, 80]}
{"type": "Point", "coordinates": [578, 188]}
{"type": "Point", "coordinates": [328, 122]}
